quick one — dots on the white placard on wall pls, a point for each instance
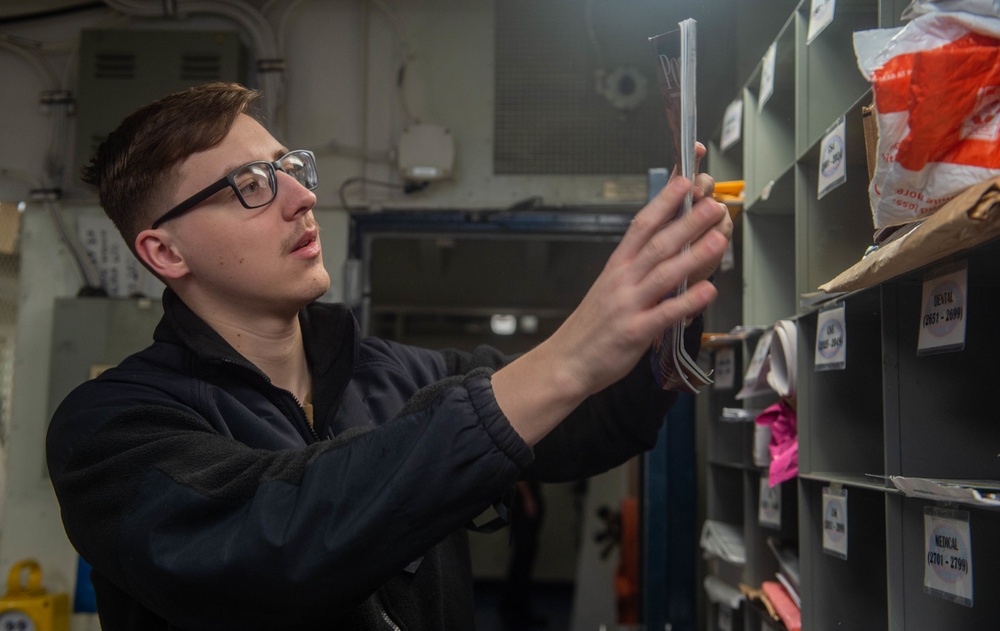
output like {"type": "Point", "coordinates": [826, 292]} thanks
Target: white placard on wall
{"type": "Point", "coordinates": [948, 554]}
{"type": "Point", "coordinates": [767, 76]}
{"type": "Point", "coordinates": [831, 338]}
{"type": "Point", "coordinates": [944, 310]}
{"type": "Point", "coordinates": [732, 124]}
{"type": "Point", "coordinates": [835, 521]}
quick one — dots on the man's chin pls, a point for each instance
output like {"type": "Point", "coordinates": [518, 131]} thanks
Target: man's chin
{"type": "Point", "coordinates": [321, 290]}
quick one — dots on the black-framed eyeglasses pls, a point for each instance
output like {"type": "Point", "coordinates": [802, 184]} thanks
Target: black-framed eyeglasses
{"type": "Point", "coordinates": [255, 183]}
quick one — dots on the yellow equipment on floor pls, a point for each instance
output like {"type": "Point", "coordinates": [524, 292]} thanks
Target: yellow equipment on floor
{"type": "Point", "coordinates": [28, 607]}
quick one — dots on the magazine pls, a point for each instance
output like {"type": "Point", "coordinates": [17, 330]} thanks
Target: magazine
{"type": "Point", "coordinates": [673, 368]}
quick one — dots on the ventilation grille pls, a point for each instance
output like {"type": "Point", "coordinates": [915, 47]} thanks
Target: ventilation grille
{"type": "Point", "coordinates": [549, 117]}
{"type": "Point", "coordinates": [114, 65]}
{"type": "Point", "coordinates": [200, 67]}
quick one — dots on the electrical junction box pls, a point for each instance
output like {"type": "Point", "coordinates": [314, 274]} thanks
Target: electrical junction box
{"type": "Point", "coordinates": [123, 69]}
{"type": "Point", "coordinates": [91, 334]}
{"type": "Point", "coordinates": [425, 152]}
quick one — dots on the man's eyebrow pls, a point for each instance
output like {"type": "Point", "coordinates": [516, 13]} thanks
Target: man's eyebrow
{"type": "Point", "coordinates": [274, 156]}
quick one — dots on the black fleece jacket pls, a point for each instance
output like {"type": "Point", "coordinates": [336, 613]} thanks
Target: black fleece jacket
{"type": "Point", "coordinates": [203, 499]}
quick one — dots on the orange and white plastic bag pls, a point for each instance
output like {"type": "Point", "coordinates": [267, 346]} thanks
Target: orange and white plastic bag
{"type": "Point", "coordinates": [936, 83]}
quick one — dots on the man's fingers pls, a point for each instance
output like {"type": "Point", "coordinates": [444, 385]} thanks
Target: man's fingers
{"type": "Point", "coordinates": [699, 152]}
{"type": "Point", "coordinates": [665, 277]}
{"type": "Point", "coordinates": [697, 297]}
{"type": "Point", "coordinates": [672, 238]}
{"type": "Point", "coordinates": [704, 186]}
{"type": "Point", "coordinates": [725, 225]}
{"type": "Point", "coordinates": [665, 206]}
{"type": "Point", "coordinates": [676, 308]}
{"type": "Point", "coordinates": [648, 221]}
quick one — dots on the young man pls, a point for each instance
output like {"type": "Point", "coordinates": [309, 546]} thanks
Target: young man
{"type": "Point", "coordinates": [261, 466]}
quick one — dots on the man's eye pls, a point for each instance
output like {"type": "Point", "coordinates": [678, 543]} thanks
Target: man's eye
{"type": "Point", "coordinates": [249, 189]}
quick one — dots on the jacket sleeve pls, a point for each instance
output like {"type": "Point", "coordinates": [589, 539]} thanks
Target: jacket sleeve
{"type": "Point", "coordinates": [606, 429]}
{"type": "Point", "coordinates": [602, 432]}
{"type": "Point", "coordinates": [612, 426]}
{"type": "Point", "coordinates": [209, 533]}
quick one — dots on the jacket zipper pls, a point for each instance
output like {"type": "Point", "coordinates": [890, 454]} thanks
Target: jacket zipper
{"type": "Point", "coordinates": [382, 612]}
{"type": "Point", "coordinates": [302, 412]}
{"type": "Point", "coordinates": [388, 620]}
{"type": "Point", "coordinates": [385, 614]}
{"type": "Point", "coordinates": [260, 373]}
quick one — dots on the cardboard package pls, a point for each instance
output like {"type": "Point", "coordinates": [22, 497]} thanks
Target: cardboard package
{"type": "Point", "coordinates": [870, 122]}
{"type": "Point", "coordinates": [968, 220]}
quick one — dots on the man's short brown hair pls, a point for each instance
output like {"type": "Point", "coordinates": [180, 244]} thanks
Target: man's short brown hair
{"type": "Point", "coordinates": [136, 166]}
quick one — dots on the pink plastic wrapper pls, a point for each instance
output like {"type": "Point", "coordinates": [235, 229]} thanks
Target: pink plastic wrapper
{"type": "Point", "coordinates": [784, 445]}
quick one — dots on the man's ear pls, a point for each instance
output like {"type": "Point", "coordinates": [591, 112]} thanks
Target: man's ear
{"type": "Point", "coordinates": [156, 250]}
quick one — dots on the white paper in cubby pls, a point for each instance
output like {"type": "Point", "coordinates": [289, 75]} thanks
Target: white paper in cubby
{"type": "Point", "coordinates": [755, 378]}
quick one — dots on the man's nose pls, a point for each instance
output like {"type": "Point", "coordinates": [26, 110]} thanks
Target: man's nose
{"type": "Point", "coordinates": [293, 196]}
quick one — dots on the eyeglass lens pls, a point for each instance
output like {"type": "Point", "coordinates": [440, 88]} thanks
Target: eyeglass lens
{"type": "Point", "coordinates": [256, 182]}
{"type": "Point", "coordinates": [302, 166]}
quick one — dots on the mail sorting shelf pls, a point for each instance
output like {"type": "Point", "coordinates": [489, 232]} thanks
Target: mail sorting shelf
{"type": "Point", "coordinates": [911, 607]}
{"type": "Point", "coordinates": [832, 231]}
{"type": "Point", "coordinates": [733, 489]}
{"type": "Point", "coordinates": [843, 593]}
{"type": "Point", "coordinates": [841, 443]}
{"type": "Point", "coordinates": [941, 421]}
{"type": "Point", "coordinates": [841, 433]}
{"type": "Point", "coordinates": [896, 411]}
{"type": "Point", "coordinates": [769, 128]}
{"type": "Point", "coordinates": [827, 78]}
{"type": "Point", "coordinates": [890, 411]}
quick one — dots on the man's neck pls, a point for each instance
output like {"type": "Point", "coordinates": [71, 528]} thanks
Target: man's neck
{"type": "Point", "coordinates": [273, 344]}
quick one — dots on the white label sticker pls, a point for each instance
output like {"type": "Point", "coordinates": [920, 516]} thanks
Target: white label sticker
{"type": "Point", "coordinates": [948, 554]}
{"type": "Point", "coordinates": [944, 310]}
{"type": "Point", "coordinates": [769, 513]}
{"type": "Point", "coordinates": [732, 124]}
{"type": "Point", "coordinates": [835, 521]}
{"type": "Point", "coordinates": [833, 159]}
{"type": "Point", "coordinates": [831, 339]}
{"type": "Point", "coordinates": [820, 16]}
{"type": "Point", "coordinates": [767, 76]}
{"type": "Point", "coordinates": [725, 368]}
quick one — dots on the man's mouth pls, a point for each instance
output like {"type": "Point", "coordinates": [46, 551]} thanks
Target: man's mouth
{"type": "Point", "coordinates": [307, 238]}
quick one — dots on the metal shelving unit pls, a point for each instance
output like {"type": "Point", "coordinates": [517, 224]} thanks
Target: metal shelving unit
{"type": "Point", "coordinates": [891, 411]}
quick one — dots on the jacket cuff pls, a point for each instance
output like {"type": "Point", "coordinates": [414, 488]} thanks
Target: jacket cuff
{"type": "Point", "coordinates": [494, 421]}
